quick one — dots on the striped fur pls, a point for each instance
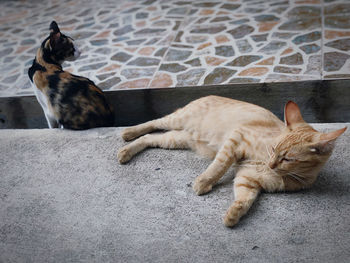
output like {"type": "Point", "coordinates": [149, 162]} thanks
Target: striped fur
{"type": "Point", "coordinates": [269, 155]}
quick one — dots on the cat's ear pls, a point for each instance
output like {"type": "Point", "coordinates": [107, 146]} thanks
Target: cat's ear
{"type": "Point", "coordinates": [326, 141]}
{"type": "Point", "coordinates": [55, 34]}
{"type": "Point", "coordinates": [54, 27]}
{"type": "Point", "coordinates": [292, 114]}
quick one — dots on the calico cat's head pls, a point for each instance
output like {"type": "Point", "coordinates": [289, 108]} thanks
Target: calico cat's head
{"type": "Point", "coordinates": [301, 151]}
{"type": "Point", "coordinates": [59, 47]}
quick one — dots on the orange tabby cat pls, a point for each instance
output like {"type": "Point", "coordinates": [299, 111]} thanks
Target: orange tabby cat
{"type": "Point", "coordinates": [269, 155]}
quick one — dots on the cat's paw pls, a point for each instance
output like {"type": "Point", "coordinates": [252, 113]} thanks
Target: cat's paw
{"type": "Point", "coordinates": [124, 155]}
{"type": "Point", "coordinates": [201, 185]}
{"type": "Point", "coordinates": [128, 134]}
{"type": "Point", "coordinates": [233, 215]}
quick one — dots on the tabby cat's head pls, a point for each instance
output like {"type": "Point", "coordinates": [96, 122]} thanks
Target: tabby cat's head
{"type": "Point", "coordinates": [59, 47]}
{"type": "Point", "coordinates": [301, 151]}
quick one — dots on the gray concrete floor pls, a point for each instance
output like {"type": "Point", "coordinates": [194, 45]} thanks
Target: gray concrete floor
{"type": "Point", "coordinates": [65, 198]}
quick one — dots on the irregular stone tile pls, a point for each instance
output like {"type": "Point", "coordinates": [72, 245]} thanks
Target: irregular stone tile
{"type": "Point", "coordinates": [301, 24]}
{"type": "Point", "coordinates": [283, 35]}
{"type": "Point", "coordinates": [104, 34]}
{"type": "Point", "coordinates": [311, 48]}
{"type": "Point", "coordinates": [149, 2]}
{"type": "Point", "coordinates": [161, 80]}
{"type": "Point", "coordinates": [149, 31]}
{"type": "Point", "coordinates": [259, 38]}
{"type": "Point", "coordinates": [104, 76]}
{"type": "Point", "coordinates": [266, 26]}
{"type": "Point", "coordinates": [82, 35]}
{"type": "Point", "coordinates": [285, 78]}
{"type": "Point", "coordinates": [144, 61]}
{"type": "Point", "coordinates": [240, 21]}
{"type": "Point", "coordinates": [196, 39]}
{"type": "Point", "coordinates": [99, 42]}
{"type": "Point", "coordinates": [213, 61]}
{"type": "Point", "coordinates": [337, 9]}
{"type": "Point", "coordinates": [304, 11]}
{"type": "Point", "coordinates": [337, 21]}
{"type": "Point", "coordinates": [309, 37]}
{"type": "Point", "coordinates": [152, 41]}
{"type": "Point", "coordinates": [281, 69]}
{"type": "Point", "coordinates": [6, 51]}
{"type": "Point", "coordinates": [337, 76]}
{"type": "Point", "coordinates": [272, 47]}
{"type": "Point", "coordinates": [235, 80]}
{"type": "Point", "coordinates": [178, 11]}
{"type": "Point", "coordinates": [287, 51]}
{"type": "Point", "coordinates": [241, 31]}
{"type": "Point", "coordinates": [204, 13]}
{"type": "Point", "coordinates": [221, 39]}
{"type": "Point", "coordinates": [123, 30]}
{"type": "Point", "coordinates": [141, 15]}
{"type": "Point", "coordinates": [254, 10]}
{"type": "Point", "coordinates": [243, 61]}
{"type": "Point", "coordinates": [219, 75]}
{"type": "Point", "coordinates": [121, 56]}
{"type": "Point", "coordinates": [266, 18]}
{"type": "Point", "coordinates": [178, 36]}
{"type": "Point", "coordinates": [334, 61]}
{"type": "Point", "coordinates": [133, 73]}
{"type": "Point", "coordinates": [243, 46]}
{"type": "Point", "coordinates": [224, 51]}
{"type": "Point", "coordinates": [295, 59]}
{"type": "Point", "coordinates": [314, 65]}
{"type": "Point", "coordinates": [135, 42]}
{"type": "Point", "coordinates": [28, 42]}
{"type": "Point", "coordinates": [131, 49]}
{"type": "Point", "coordinates": [109, 83]}
{"type": "Point", "coordinates": [119, 39]}
{"type": "Point", "coordinates": [69, 22]}
{"type": "Point", "coordinates": [103, 50]}
{"type": "Point", "coordinates": [92, 66]}
{"type": "Point", "coordinates": [230, 6]}
{"type": "Point", "coordinates": [134, 84]}
{"type": "Point", "coordinates": [161, 52]}
{"type": "Point", "coordinates": [205, 4]}
{"type": "Point", "coordinates": [172, 67]}
{"type": "Point", "coordinates": [194, 62]}
{"type": "Point", "coordinates": [268, 61]}
{"type": "Point", "coordinates": [190, 78]}
{"type": "Point", "coordinates": [112, 67]}
{"type": "Point", "coordinates": [220, 19]}
{"type": "Point", "coordinates": [146, 51]}
{"type": "Point", "coordinates": [341, 44]}
{"type": "Point", "coordinates": [258, 71]}
{"type": "Point", "coordinates": [279, 10]}
{"type": "Point", "coordinates": [209, 29]}
{"type": "Point", "coordinates": [10, 79]}
{"type": "Point", "coordinates": [204, 45]}
{"type": "Point", "coordinates": [331, 34]}
{"type": "Point", "coordinates": [177, 55]}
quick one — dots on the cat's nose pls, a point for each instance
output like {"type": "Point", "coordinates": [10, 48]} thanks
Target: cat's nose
{"type": "Point", "coordinates": [272, 165]}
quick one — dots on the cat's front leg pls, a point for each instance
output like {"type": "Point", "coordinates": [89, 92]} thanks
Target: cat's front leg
{"type": "Point", "coordinates": [225, 157]}
{"type": "Point", "coordinates": [246, 190]}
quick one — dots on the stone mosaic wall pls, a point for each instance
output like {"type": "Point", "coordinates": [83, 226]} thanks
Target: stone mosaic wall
{"type": "Point", "coordinates": [169, 43]}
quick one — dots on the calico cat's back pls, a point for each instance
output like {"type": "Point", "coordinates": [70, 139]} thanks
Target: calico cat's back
{"type": "Point", "coordinates": [68, 101]}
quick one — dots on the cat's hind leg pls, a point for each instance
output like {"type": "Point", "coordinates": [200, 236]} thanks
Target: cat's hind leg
{"type": "Point", "coordinates": [169, 122]}
{"type": "Point", "coordinates": [246, 190]}
{"type": "Point", "coordinates": [168, 140]}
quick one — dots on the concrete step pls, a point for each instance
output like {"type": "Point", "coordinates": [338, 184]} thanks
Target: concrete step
{"type": "Point", "coordinates": [65, 198]}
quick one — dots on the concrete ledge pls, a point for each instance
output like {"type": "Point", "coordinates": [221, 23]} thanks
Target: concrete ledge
{"type": "Point", "coordinates": [64, 198]}
{"type": "Point", "coordinates": [320, 101]}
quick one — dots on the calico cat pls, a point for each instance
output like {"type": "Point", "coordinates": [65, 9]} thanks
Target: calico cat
{"type": "Point", "coordinates": [68, 101]}
{"type": "Point", "coordinates": [269, 155]}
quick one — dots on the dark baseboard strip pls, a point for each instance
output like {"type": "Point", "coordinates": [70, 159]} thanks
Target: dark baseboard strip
{"type": "Point", "coordinates": [320, 101]}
